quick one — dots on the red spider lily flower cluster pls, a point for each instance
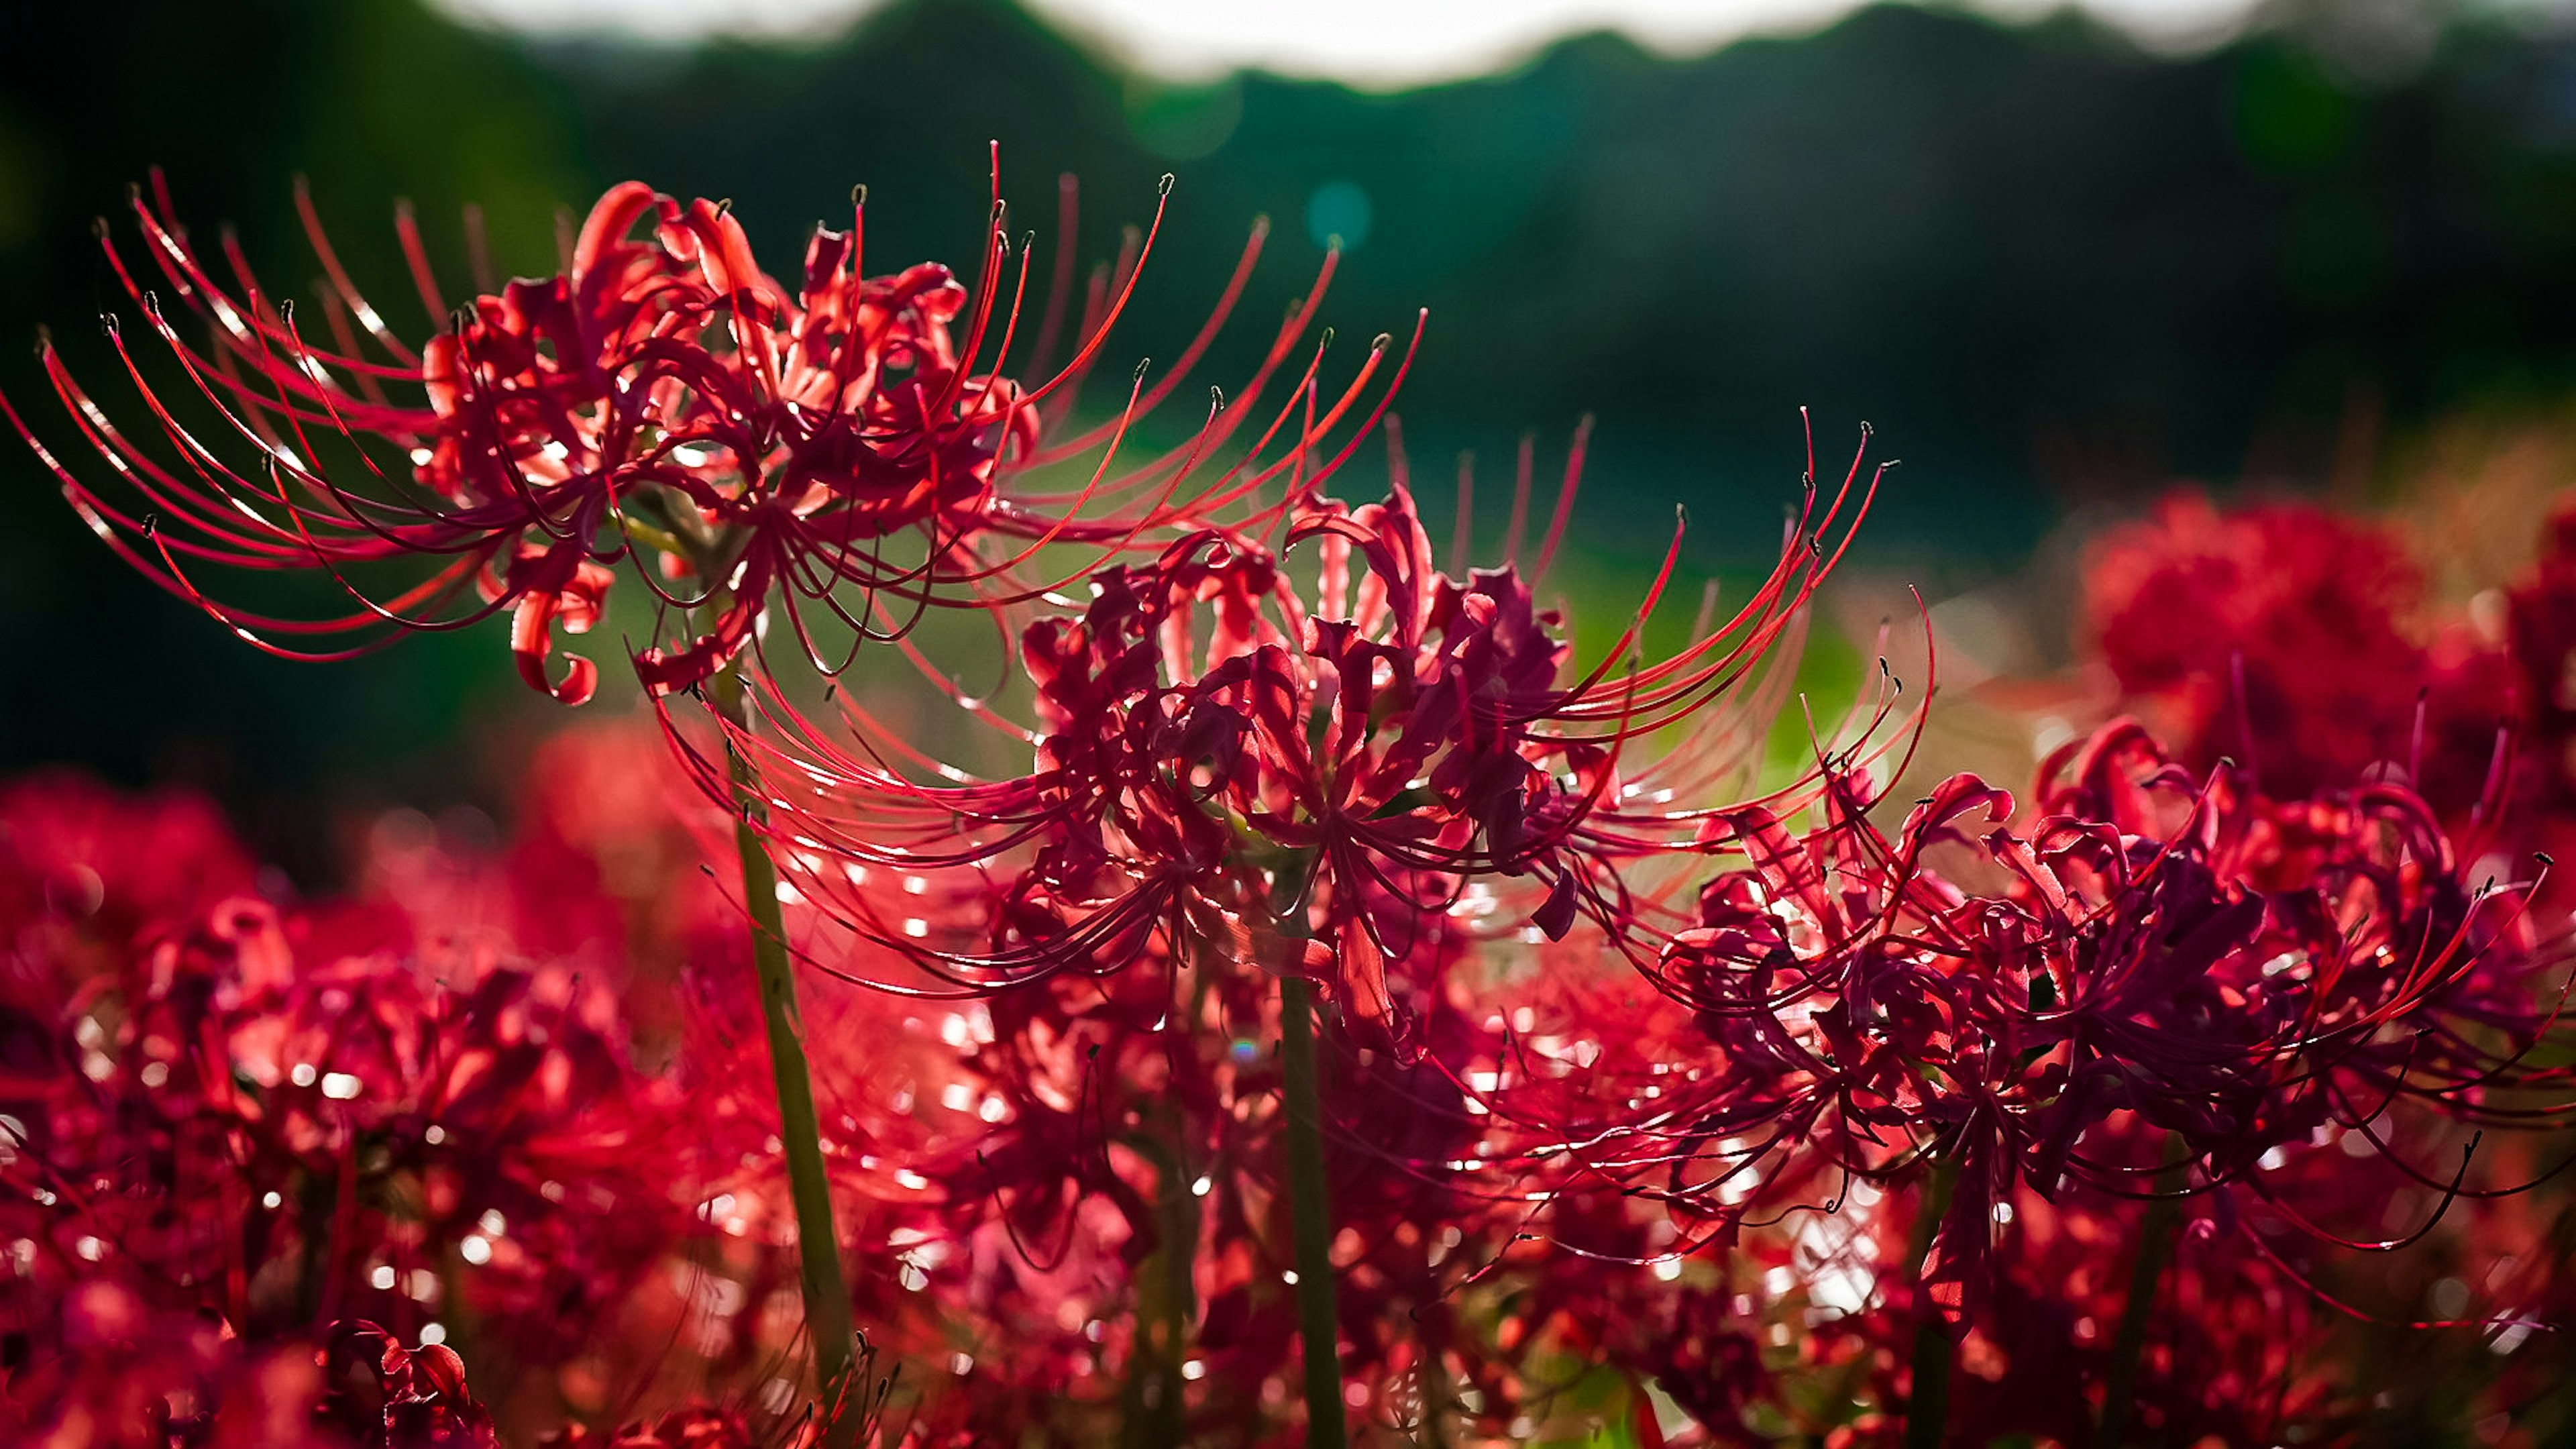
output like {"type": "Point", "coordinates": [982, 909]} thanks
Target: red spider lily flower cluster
{"type": "Point", "coordinates": [2302, 644]}
{"type": "Point", "coordinates": [1233, 770]}
{"type": "Point", "coordinates": [2023, 1011]}
{"type": "Point", "coordinates": [1572, 1201]}
{"type": "Point", "coordinates": [2238, 973]}
{"type": "Point", "coordinates": [227, 1126]}
{"type": "Point", "coordinates": [1089, 1233]}
{"type": "Point", "coordinates": [1722, 1120]}
{"type": "Point", "coordinates": [836, 451]}
{"type": "Point", "coordinates": [1077, 1217]}
{"type": "Point", "coordinates": [2278, 635]}
{"type": "Point", "coordinates": [1134, 1176]}
{"type": "Point", "coordinates": [1904, 1103]}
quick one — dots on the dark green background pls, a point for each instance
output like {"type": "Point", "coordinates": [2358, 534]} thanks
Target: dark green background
{"type": "Point", "coordinates": [2048, 268]}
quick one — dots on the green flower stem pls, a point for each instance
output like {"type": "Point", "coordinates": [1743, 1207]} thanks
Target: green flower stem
{"type": "Point", "coordinates": [1310, 1216]}
{"type": "Point", "coordinates": [818, 1242]}
{"type": "Point", "coordinates": [1927, 1413]}
{"type": "Point", "coordinates": [2158, 1229]}
{"type": "Point", "coordinates": [1155, 1407]}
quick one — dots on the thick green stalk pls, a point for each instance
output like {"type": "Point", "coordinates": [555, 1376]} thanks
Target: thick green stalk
{"type": "Point", "coordinates": [2158, 1228]}
{"type": "Point", "coordinates": [1155, 1407]}
{"type": "Point", "coordinates": [1310, 1216]}
{"type": "Point", "coordinates": [818, 1242]}
{"type": "Point", "coordinates": [1927, 1413]}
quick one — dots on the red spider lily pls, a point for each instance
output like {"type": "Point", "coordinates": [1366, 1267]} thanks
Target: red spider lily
{"type": "Point", "coordinates": [662, 394]}
{"type": "Point", "coordinates": [1067, 1188]}
{"type": "Point", "coordinates": [2292, 639]}
{"type": "Point", "coordinates": [248, 1120]}
{"type": "Point", "coordinates": [2233, 1338]}
{"type": "Point", "coordinates": [79, 859]}
{"type": "Point", "coordinates": [1227, 765]}
{"type": "Point", "coordinates": [371, 1138]}
{"type": "Point", "coordinates": [1804, 1329]}
{"type": "Point", "coordinates": [1101, 1236]}
{"type": "Point", "coordinates": [2234, 972]}
{"type": "Point", "coordinates": [907, 1097]}
{"type": "Point", "coordinates": [2308, 630]}
{"type": "Point", "coordinates": [605, 875]}
{"type": "Point", "coordinates": [419, 1395]}
{"type": "Point", "coordinates": [2286, 621]}
{"type": "Point", "coordinates": [273, 1120]}
{"type": "Point", "coordinates": [1182, 812]}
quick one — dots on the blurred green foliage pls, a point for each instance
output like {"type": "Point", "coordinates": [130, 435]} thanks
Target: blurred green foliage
{"type": "Point", "coordinates": [2049, 268]}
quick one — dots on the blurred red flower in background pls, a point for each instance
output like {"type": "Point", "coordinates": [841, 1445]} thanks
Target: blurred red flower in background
{"type": "Point", "coordinates": [227, 1124]}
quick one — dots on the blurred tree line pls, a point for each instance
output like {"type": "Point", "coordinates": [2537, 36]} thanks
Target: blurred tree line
{"type": "Point", "coordinates": [2048, 267]}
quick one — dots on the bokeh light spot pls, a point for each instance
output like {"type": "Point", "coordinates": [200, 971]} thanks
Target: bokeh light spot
{"type": "Point", "coordinates": [1339, 209]}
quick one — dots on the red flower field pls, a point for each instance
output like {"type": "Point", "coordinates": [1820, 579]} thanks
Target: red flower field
{"type": "Point", "coordinates": [1300, 996]}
